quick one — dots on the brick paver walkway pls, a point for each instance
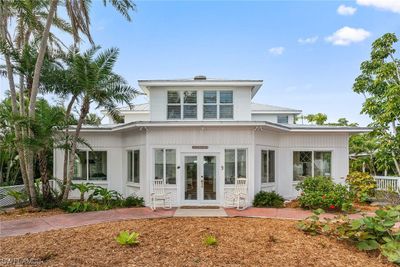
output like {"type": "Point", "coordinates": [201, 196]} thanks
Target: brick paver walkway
{"type": "Point", "coordinates": [36, 225]}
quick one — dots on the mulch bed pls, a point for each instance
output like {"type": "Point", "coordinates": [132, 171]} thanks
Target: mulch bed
{"type": "Point", "coordinates": [179, 242]}
{"type": "Point", "coordinates": [22, 213]}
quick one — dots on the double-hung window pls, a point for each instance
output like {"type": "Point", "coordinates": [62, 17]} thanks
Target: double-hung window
{"type": "Point", "coordinates": [235, 165]}
{"type": "Point", "coordinates": [165, 165]}
{"type": "Point", "coordinates": [311, 163]}
{"type": "Point", "coordinates": [210, 106]}
{"type": "Point", "coordinates": [267, 166]}
{"type": "Point", "coordinates": [181, 105]}
{"type": "Point", "coordinates": [134, 166]}
{"type": "Point", "coordinates": [218, 104]}
{"type": "Point", "coordinates": [174, 105]}
{"type": "Point", "coordinates": [90, 165]}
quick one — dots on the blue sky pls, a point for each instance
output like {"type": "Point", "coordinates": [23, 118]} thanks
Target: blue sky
{"type": "Point", "coordinates": [254, 40]}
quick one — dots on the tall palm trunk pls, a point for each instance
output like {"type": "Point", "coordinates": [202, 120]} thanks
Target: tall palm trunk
{"type": "Point", "coordinates": [33, 96]}
{"type": "Point", "coordinates": [83, 113]}
{"type": "Point", "coordinates": [44, 176]}
{"type": "Point", "coordinates": [14, 106]}
{"type": "Point", "coordinates": [66, 158]}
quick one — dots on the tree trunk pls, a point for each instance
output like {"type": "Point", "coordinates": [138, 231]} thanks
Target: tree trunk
{"type": "Point", "coordinates": [44, 176]}
{"type": "Point", "coordinates": [84, 111]}
{"type": "Point", "coordinates": [14, 106]}
{"type": "Point", "coordinates": [40, 58]}
{"type": "Point", "coordinates": [66, 158]}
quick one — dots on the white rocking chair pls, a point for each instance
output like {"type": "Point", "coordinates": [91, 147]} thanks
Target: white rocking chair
{"type": "Point", "coordinates": [160, 194]}
{"type": "Point", "coordinates": [237, 198]}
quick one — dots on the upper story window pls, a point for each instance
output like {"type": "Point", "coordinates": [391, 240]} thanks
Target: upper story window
{"type": "Point", "coordinates": [218, 105]}
{"type": "Point", "coordinates": [283, 119]}
{"type": "Point", "coordinates": [178, 109]}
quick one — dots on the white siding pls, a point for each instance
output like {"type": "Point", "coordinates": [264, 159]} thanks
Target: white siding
{"type": "Point", "coordinates": [217, 139]}
{"type": "Point", "coordinates": [241, 101]}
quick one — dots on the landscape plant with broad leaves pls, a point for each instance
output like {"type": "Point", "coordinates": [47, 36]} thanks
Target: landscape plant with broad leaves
{"type": "Point", "coordinates": [379, 83]}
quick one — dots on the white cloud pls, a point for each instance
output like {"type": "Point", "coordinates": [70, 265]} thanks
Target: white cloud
{"type": "Point", "coordinates": [277, 51]}
{"type": "Point", "coordinates": [347, 35]}
{"type": "Point", "coordinates": [346, 10]}
{"type": "Point", "coordinates": [309, 40]}
{"type": "Point", "coordinates": [390, 5]}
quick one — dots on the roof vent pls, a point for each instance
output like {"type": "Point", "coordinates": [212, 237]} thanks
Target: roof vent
{"type": "Point", "coordinates": [200, 77]}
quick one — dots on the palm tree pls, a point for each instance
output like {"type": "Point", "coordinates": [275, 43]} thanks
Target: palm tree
{"type": "Point", "coordinates": [35, 17]}
{"type": "Point", "coordinates": [93, 74]}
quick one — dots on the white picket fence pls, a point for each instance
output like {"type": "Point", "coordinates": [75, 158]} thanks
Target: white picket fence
{"type": "Point", "coordinates": [6, 200]}
{"type": "Point", "coordinates": [387, 183]}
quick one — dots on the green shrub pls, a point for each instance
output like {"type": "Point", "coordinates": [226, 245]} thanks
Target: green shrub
{"type": "Point", "coordinates": [110, 198]}
{"type": "Point", "coordinates": [19, 196]}
{"type": "Point", "coordinates": [77, 206]}
{"type": "Point", "coordinates": [362, 184]}
{"type": "Point", "coordinates": [367, 233]}
{"type": "Point", "coordinates": [210, 240]}
{"type": "Point", "coordinates": [133, 201]}
{"type": "Point", "coordinates": [268, 199]}
{"type": "Point", "coordinates": [322, 192]}
{"type": "Point", "coordinates": [126, 238]}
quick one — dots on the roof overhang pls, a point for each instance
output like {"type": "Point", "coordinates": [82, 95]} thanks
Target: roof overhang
{"type": "Point", "coordinates": [260, 125]}
{"type": "Point", "coordinates": [255, 85]}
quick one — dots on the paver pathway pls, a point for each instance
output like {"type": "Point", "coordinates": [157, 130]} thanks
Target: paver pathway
{"type": "Point", "coordinates": [36, 225]}
{"type": "Point", "coordinates": [41, 224]}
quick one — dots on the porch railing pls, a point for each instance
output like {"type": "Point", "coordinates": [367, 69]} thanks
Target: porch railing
{"type": "Point", "coordinates": [387, 183]}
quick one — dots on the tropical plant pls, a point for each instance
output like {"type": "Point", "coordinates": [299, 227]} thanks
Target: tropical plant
{"type": "Point", "coordinates": [29, 22]}
{"type": "Point", "coordinates": [19, 196]}
{"type": "Point", "coordinates": [98, 85]}
{"type": "Point", "coordinates": [321, 192]}
{"type": "Point", "coordinates": [126, 238]}
{"type": "Point", "coordinates": [83, 188]}
{"type": "Point", "coordinates": [77, 206]}
{"type": "Point", "coordinates": [368, 233]}
{"type": "Point", "coordinates": [106, 197]}
{"type": "Point", "coordinates": [362, 184]}
{"type": "Point", "coordinates": [210, 240]}
{"type": "Point", "coordinates": [268, 199]}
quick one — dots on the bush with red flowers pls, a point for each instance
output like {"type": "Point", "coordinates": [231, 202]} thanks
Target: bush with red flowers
{"type": "Point", "coordinates": [322, 192]}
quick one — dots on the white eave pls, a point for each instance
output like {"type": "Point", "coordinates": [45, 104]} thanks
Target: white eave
{"type": "Point", "coordinates": [259, 125]}
{"type": "Point", "coordinates": [255, 84]}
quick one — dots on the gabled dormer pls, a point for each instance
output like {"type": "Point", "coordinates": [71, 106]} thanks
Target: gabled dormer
{"type": "Point", "coordinates": [200, 99]}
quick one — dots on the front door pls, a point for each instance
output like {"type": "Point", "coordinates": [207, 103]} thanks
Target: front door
{"type": "Point", "coordinates": [200, 179]}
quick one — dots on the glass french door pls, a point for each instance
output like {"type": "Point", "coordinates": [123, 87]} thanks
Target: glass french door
{"type": "Point", "coordinates": [200, 178]}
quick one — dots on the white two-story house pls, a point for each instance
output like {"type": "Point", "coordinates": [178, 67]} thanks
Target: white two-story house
{"type": "Point", "coordinates": [199, 135]}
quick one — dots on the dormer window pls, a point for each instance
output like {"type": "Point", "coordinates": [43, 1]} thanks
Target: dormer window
{"type": "Point", "coordinates": [218, 104]}
{"type": "Point", "coordinates": [178, 109]}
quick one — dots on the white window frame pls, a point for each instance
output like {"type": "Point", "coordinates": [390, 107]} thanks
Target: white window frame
{"type": "Point", "coordinates": [312, 161]}
{"type": "Point", "coordinates": [218, 104]}
{"type": "Point", "coordinates": [133, 166]}
{"type": "Point", "coordinates": [268, 166]}
{"type": "Point", "coordinates": [182, 104]}
{"type": "Point", "coordinates": [236, 163]}
{"type": "Point", "coordinates": [282, 116]}
{"type": "Point", "coordinates": [87, 167]}
{"type": "Point", "coordinates": [165, 164]}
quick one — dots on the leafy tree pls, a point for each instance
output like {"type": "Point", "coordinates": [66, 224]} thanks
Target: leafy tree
{"type": "Point", "coordinates": [318, 118]}
{"type": "Point", "coordinates": [379, 83]}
